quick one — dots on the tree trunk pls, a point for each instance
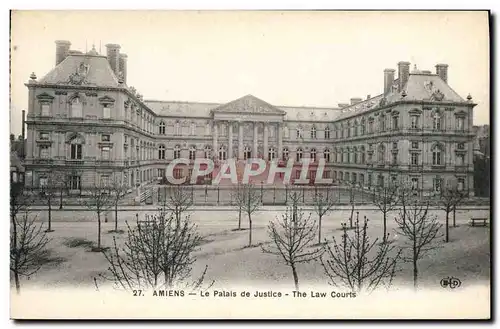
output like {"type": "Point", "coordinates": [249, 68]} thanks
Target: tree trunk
{"type": "Point", "coordinates": [49, 229]}
{"type": "Point", "coordinates": [352, 214]}
{"type": "Point", "coordinates": [250, 230]}
{"type": "Point", "coordinates": [116, 217]}
{"type": "Point", "coordinates": [239, 219]}
{"type": "Point", "coordinates": [454, 214]}
{"type": "Point", "coordinates": [415, 259]}
{"type": "Point", "coordinates": [295, 277]}
{"type": "Point", "coordinates": [384, 239]}
{"type": "Point", "coordinates": [447, 238]}
{"type": "Point", "coordinates": [319, 230]}
{"type": "Point", "coordinates": [98, 230]}
{"type": "Point", "coordinates": [61, 199]}
{"type": "Point", "coordinates": [16, 258]}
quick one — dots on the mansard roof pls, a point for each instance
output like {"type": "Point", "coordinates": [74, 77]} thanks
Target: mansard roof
{"type": "Point", "coordinates": [82, 69]}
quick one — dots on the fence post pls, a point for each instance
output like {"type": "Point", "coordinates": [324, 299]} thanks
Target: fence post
{"type": "Point", "coordinates": [192, 194]}
{"type": "Point", "coordinates": [303, 194]}
{"type": "Point", "coordinates": [206, 193]}
{"type": "Point", "coordinates": [218, 194]}
{"type": "Point", "coordinates": [286, 194]}
{"type": "Point", "coordinates": [274, 195]}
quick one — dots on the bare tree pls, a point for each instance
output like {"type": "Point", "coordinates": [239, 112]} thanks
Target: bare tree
{"type": "Point", "coordinates": [449, 197]}
{"type": "Point", "coordinates": [177, 199]}
{"type": "Point", "coordinates": [239, 200]}
{"type": "Point", "coordinates": [27, 244]}
{"type": "Point", "coordinates": [323, 203]}
{"type": "Point", "coordinates": [251, 203]}
{"type": "Point", "coordinates": [157, 254]}
{"type": "Point", "coordinates": [54, 188]}
{"type": "Point", "coordinates": [351, 188]}
{"type": "Point", "coordinates": [358, 263]}
{"type": "Point", "coordinates": [420, 228]}
{"type": "Point", "coordinates": [100, 200]}
{"type": "Point", "coordinates": [385, 199]}
{"type": "Point", "coordinates": [291, 237]}
{"type": "Point", "coordinates": [118, 191]}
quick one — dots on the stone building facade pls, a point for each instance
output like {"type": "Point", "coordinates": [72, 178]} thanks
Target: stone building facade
{"type": "Point", "coordinates": [83, 119]}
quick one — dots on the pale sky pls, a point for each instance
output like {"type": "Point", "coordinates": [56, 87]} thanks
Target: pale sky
{"type": "Point", "coordinates": [285, 58]}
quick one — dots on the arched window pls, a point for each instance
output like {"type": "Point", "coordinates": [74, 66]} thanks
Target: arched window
{"type": "Point", "coordinates": [208, 151]}
{"type": "Point", "coordinates": [436, 121]}
{"type": "Point", "coordinates": [381, 154]}
{"type": "Point", "coordinates": [299, 132]}
{"type": "Point", "coordinates": [313, 154]}
{"type": "Point", "coordinates": [222, 152]}
{"type": "Point", "coordinates": [313, 132]}
{"type": "Point", "coordinates": [437, 155]}
{"type": "Point", "coordinates": [161, 127]}
{"type": "Point", "coordinates": [247, 153]}
{"type": "Point", "coordinates": [272, 153]}
{"type": "Point", "coordinates": [161, 152]}
{"type": "Point", "coordinates": [326, 155]}
{"type": "Point", "coordinates": [76, 148]}
{"type": "Point", "coordinates": [327, 132]}
{"type": "Point", "coordinates": [363, 126]}
{"type": "Point", "coordinates": [299, 154]}
{"type": "Point", "coordinates": [192, 153]}
{"type": "Point", "coordinates": [363, 160]}
{"type": "Point", "coordinates": [76, 108]}
{"type": "Point", "coordinates": [355, 150]}
{"type": "Point", "coordinates": [382, 123]}
{"type": "Point", "coordinates": [285, 154]}
{"type": "Point", "coordinates": [177, 128]}
{"type": "Point", "coordinates": [355, 128]}
{"type": "Point", "coordinates": [177, 151]}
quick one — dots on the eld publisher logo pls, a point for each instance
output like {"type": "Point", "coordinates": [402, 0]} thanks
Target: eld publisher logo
{"type": "Point", "coordinates": [451, 282]}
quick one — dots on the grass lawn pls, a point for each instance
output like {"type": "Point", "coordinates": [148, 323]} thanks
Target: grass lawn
{"type": "Point", "coordinates": [70, 263]}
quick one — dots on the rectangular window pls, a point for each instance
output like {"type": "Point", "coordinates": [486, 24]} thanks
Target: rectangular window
{"type": "Point", "coordinates": [461, 146]}
{"type": "Point", "coordinates": [414, 159]}
{"type": "Point", "coordinates": [394, 158]}
{"type": "Point", "coordinates": [297, 174]}
{"type": "Point", "coordinates": [44, 136]}
{"type": "Point", "coordinates": [45, 110]}
{"type": "Point", "coordinates": [460, 160]}
{"type": "Point", "coordinates": [106, 112]}
{"type": "Point", "coordinates": [326, 174]}
{"type": "Point", "coordinates": [414, 183]}
{"type": "Point", "coordinates": [395, 145]}
{"type": "Point", "coordinates": [177, 173]}
{"type": "Point", "coordinates": [43, 181]}
{"type": "Point", "coordinates": [414, 122]}
{"type": "Point", "coordinates": [74, 182]}
{"type": "Point", "coordinates": [460, 183]}
{"type": "Point", "coordinates": [437, 184]}
{"type": "Point", "coordinates": [414, 145]}
{"type": "Point", "coordinates": [105, 180]}
{"type": "Point", "coordinates": [460, 123]}
{"type": "Point", "coordinates": [395, 121]}
{"type": "Point", "coordinates": [76, 151]}
{"type": "Point", "coordinates": [44, 152]}
{"type": "Point", "coordinates": [106, 138]}
{"type": "Point", "coordinates": [105, 153]}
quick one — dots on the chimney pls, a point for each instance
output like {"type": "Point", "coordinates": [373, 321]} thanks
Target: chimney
{"type": "Point", "coordinates": [368, 97]}
{"type": "Point", "coordinates": [355, 100]}
{"type": "Point", "coordinates": [342, 105]}
{"type": "Point", "coordinates": [62, 49]}
{"type": "Point", "coordinates": [113, 54]}
{"type": "Point", "coordinates": [403, 74]}
{"type": "Point", "coordinates": [442, 71]}
{"type": "Point", "coordinates": [123, 67]}
{"type": "Point", "coordinates": [388, 80]}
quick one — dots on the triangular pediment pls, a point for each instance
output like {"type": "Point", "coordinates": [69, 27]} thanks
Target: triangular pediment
{"type": "Point", "coordinates": [249, 104]}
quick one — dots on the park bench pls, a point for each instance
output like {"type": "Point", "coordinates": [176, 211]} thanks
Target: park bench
{"type": "Point", "coordinates": [479, 221]}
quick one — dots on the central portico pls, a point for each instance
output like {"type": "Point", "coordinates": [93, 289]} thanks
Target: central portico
{"type": "Point", "coordinates": [248, 115]}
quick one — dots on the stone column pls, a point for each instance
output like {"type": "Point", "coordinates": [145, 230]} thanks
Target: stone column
{"type": "Point", "coordinates": [230, 139]}
{"type": "Point", "coordinates": [266, 151]}
{"type": "Point", "coordinates": [280, 140]}
{"type": "Point", "coordinates": [255, 139]}
{"type": "Point", "coordinates": [240, 141]}
{"type": "Point", "coordinates": [215, 146]}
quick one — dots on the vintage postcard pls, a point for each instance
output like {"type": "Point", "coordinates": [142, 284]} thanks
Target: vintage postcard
{"type": "Point", "coordinates": [250, 165]}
